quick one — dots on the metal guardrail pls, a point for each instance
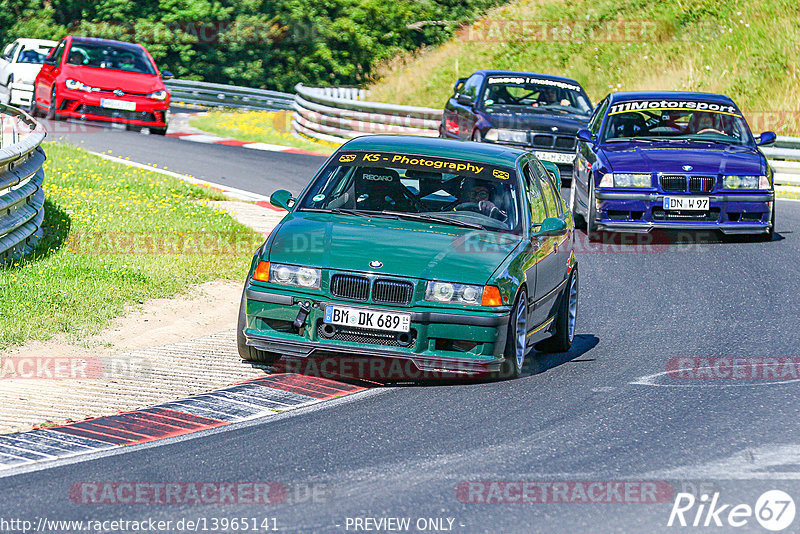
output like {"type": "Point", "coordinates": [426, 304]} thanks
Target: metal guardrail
{"type": "Point", "coordinates": [334, 115]}
{"type": "Point", "coordinates": [784, 158]}
{"type": "Point", "coordinates": [21, 179]}
{"type": "Point", "coordinates": [227, 96]}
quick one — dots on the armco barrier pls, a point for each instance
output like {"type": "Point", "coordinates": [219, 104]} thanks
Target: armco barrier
{"type": "Point", "coordinates": [784, 158]}
{"type": "Point", "coordinates": [228, 96]}
{"type": "Point", "coordinates": [336, 114]}
{"type": "Point", "coordinates": [21, 179]}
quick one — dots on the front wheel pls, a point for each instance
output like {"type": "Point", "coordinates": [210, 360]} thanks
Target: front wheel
{"type": "Point", "coordinates": [565, 320]}
{"type": "Point", "coordinates": [51, 109]}
{"type": "Point", "coordinates": [770, 235]}
{"type": "Point", "coordinates": [516, 339]}
{"type": "Point", "coordinates": [33, 111]}
{"type": "Point", "coordinates": [591, 215]}
{"type": "Point", "coordinates": [247, 352]}
{"type": "Point", "coordinates": [158, 131]}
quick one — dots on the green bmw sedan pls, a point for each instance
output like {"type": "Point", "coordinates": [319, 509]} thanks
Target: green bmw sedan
{"type": "Point", "coordinates": [456, 257]}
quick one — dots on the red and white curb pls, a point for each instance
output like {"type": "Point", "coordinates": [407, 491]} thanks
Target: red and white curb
{"type": "Point", "coordinates": [252, 399]}
{"type": "Point", "coordinates": [213, 139]}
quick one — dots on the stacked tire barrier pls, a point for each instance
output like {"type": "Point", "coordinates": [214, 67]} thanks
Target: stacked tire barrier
{"type": "Point", "coordinates": [339, 114]}
{"type": "Point", "coordinates": [206, 94]}
{"type": "Point", "coordinates": [21, 179]}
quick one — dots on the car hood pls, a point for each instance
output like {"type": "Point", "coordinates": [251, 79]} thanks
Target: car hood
{"type": "Point", "coordinates": [405, 248]}
{"type": "Point", "coordinates": [704, 158]}
{"type": "Point", "coordinates": [108, 79]}
{"type": "Point", "coordinates": [542, 121]}
{"type": "Point", "coordinates": [25, 72]}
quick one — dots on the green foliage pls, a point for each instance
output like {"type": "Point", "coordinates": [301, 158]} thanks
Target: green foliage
{"type": "Point", "coordinates": [266, 43]}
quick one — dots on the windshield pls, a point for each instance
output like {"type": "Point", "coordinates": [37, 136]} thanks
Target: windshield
{"type": "Point", "coordinates": [110, 57]}
{"type": "Point", "coordinates": [530, 92]}
{"type": "Point", "coordinates": [33, 56]}
{"type": "Point", "coordinates": [669, 120]}
{"type": "Point", "coordinates": [427, 188]}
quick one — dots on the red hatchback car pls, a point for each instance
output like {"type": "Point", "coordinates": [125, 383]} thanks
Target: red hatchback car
{"type": "Point", "coordinates": [103, 80]}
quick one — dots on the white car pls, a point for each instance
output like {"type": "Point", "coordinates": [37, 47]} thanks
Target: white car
{"type": "Point", "coordinates": [19, 65]}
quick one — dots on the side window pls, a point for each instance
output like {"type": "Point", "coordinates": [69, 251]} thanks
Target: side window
{"type": "Point", "coordinates": [597, 119]}
{"type": "Point", "coordinates": [472, 85]}
{"type": "Point", "coordinates": [550, 201]}
{"type": "Point", "coordinates": [538, 213]}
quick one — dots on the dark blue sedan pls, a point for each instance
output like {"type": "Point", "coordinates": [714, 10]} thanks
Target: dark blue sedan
{"type": "Point", "coordinates": [672, 160]}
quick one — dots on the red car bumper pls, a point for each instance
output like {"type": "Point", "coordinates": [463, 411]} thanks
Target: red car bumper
{"type": "Point", "coordinates": [96, 106]}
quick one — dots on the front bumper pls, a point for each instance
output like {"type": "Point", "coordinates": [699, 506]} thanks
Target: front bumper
{"type": "Point", "coordinates": [439, 340]}
{"type": "Point", "coordinates": [20, 94]}
{"type": "Point", "coordinates": [83, 105]}
{"type": "Point", "coordinates": [731, 213]}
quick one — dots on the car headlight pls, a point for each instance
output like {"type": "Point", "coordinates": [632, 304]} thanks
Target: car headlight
{"type": "Point", "coordinates": [507, 136]}
{"type": "Point", "coordinates": [158, 95]}
{"type": "Point", "coordinates": [463, 294]}
{"type": "Point", "coordinates": [75, 85]}
{"type": "Point", "coordinates": [745, 182]}
{"type": "Point", "coordinates": [288, 275]}
{"type": "Point", "coordinates": [626, 180]}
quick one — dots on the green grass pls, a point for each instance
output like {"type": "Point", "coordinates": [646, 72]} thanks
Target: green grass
{"type": "Point", "coordinates": [272, 127]}
{"type": "Point", "coordinates": [795, 194]}
{"type": "Point", "coordinates": [114, 235]}
{"type": "Point", "coordinates": [747, 49]}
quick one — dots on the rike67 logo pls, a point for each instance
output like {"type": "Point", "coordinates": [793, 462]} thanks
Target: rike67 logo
{"type": "Point", "coordinates": [774, 510]}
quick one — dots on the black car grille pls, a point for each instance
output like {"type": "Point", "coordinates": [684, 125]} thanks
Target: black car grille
{"type": "Point", "coordinates": [116, 113]}
{"type": "Point", "coordinates": [560, 142]}
{"type": "Point", "coordinates": [372, 337]}
{"type": "Point", "coordinates": [680, 184]}
{"type": "Point", "coordinates": [701, 184]}
{"type": "Point", "coordinates": [660, 214]}
{"type": "Point", "coordinates": [673, 184]}
{"type": "Point", "coordinates": [384, 290]}
{"type": "Point", "coordinates": [349, 286]}
{"type": "Point", "coordinates": [392, 292]}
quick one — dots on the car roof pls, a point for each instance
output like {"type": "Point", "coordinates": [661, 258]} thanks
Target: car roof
{"type": "Point", "coordinates": [431, 146]}
{"type": "Point", "coordinates": [524, 73]}
{"type": "Point", "coordinates": [626, 96]}
{"type": "Point", "coordinates": [36, 42]}
{"type": "Point", "coordinates": [110, 42]}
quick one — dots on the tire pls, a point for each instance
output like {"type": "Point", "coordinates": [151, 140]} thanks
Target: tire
{"type": "Point", "coordinates": [247, 352]}
{"type": "Point", "coordinates": [158, 131]}
{"type": "Point", "coordinates": [573, 201]}
{"type": "Point", "coordinates": [477, 137]}
{"type": "Point", "coordinates": [561, 341]}
{"type": "Point", "coordinates": [516, 342]}
{"type": "Point", "coordinates": [51, 109]}
{"type": "Point", "coordinates": [770, 235]}
{"type": "Point", "coordinates": [591, 215]}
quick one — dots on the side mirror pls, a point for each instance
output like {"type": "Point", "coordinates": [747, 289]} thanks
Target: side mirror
{"type": "Point", "coordinates": [552, 170]}
{"type": "Point", "coordinates": [464, 100]}
{"type": "Point", "coordinates": [458, 85]}
{"type": "Point", "coordinates": [282, 199]}
{"type": "Point", "coordinates": [585, 136]}
{"type": "Point", "coordinates": [550, 226]}
{"type": "Point", "coordinates": [166, 75]}
{"type": "Point", "coordinates": [766, 138]}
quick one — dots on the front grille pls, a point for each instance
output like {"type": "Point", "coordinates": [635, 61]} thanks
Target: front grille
{"type": "Point", "coordinates": [350, 287]}
{"type": "Point", "coordinates": [566, 143]}
{"type": "Point", "coordinates": [660, 214]}
{"type": "Point", "coordinates": [392, 292]}
{"type": "Point", "coordinates": [543, 141]}
{"type": "Point", "coordinates": [701, 184]}
{"type": "Point", "coordinates": [371, 337]}
{"type": "Point", "coordinates": [116, 113]}
{"type": "Point", "coordinates": [673, 184]}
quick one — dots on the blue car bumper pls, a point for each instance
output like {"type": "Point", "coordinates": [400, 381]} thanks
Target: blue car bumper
{"type": "Point", "coordinates": [731, 213]}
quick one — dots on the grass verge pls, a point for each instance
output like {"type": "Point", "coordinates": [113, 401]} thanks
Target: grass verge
{"type": "Point", "coordinates": [744, 49]}
{"type": "Point", "coordinates": [272, 127]}
{"type": "Point", "coordinates": [114, 235]}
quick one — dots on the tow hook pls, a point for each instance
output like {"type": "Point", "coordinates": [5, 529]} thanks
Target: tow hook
{"type": "Point", "coordinates": [301, 316]}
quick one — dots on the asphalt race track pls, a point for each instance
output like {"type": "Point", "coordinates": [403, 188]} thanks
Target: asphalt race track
{"type": "Point", "coordinates": [606, 412]}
